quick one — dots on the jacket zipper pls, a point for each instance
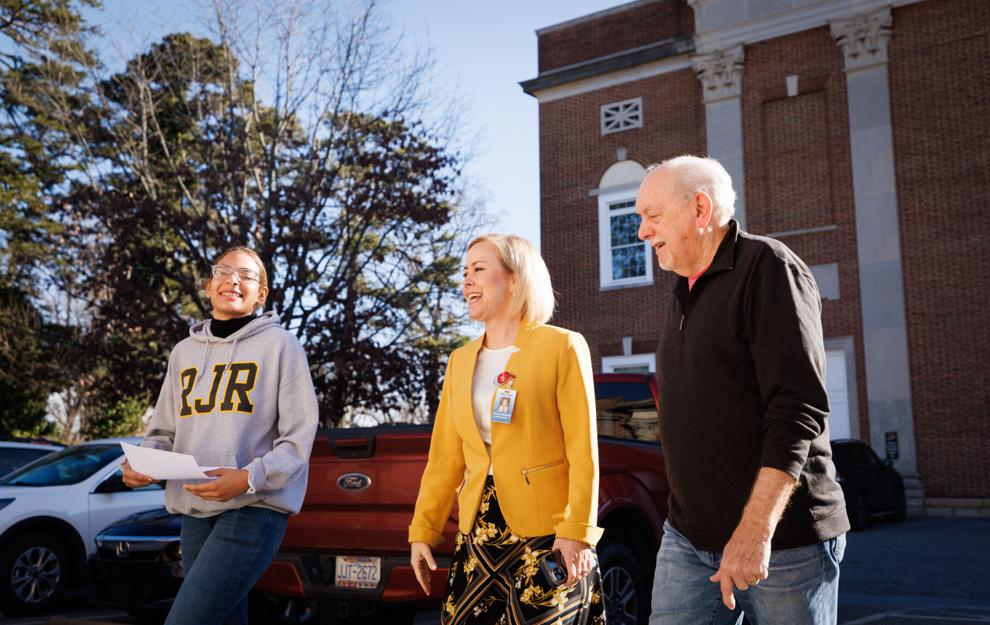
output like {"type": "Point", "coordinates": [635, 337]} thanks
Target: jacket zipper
{"type": "Point", "coordinates": [685, 305]}
{"type": "Point", "coordinates": [526, 472]}
{"type": "Point", "coordinates": [684, 310]}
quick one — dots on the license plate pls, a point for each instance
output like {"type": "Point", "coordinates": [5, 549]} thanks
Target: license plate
{"type": "Point", "coordinates": [357, 572]}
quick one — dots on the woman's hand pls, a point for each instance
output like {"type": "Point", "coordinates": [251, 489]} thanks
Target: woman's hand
{"type": "Point", "coordinates": [133, 479]}
{"type": "Point", "coordinates": [229, 484]}
{"type": "Point", "coordinates": [578, 558]}
{"type": "Point", "coordinates": [421, 557]}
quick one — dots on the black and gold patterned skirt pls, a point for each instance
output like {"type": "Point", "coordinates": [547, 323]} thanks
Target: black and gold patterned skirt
{"type": "Point", "coordinates": [495, 579]}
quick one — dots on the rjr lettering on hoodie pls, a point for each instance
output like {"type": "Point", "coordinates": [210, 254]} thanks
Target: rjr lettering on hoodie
{"type": "Point", "coordinates": [240, 381]}
{"type": "Point", "coordinates": [256, 386]}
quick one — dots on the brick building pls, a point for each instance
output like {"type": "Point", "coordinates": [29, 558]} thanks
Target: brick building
{"type": "Point", "coordinates": [855, 131]}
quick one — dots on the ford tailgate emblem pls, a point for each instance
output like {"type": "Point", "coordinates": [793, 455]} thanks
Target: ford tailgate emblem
{"type": "Point", "coordinates": [354, 481]}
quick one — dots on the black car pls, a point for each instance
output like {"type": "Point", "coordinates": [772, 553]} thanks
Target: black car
{"type": "Point", "coordinates": [138, 567]}
{"type": "Point", "coordinates": [138, 564]}
{"type": "Point", "coordinates": [872, 487]}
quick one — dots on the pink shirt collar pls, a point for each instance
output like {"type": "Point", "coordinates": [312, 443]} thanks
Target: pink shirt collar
{"type": "Point", "coordinates": [695, 277]}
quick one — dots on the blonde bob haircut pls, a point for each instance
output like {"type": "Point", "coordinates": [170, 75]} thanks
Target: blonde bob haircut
{"type": "Point", "coordinates": [534, 293]}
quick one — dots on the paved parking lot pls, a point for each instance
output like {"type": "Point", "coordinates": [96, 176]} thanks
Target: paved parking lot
{"type": "Point", "coordinates": [924, 571]}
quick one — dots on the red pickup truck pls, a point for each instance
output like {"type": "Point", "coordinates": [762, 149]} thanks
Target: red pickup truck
{"type": "Point", "coordinates": [347, 551]}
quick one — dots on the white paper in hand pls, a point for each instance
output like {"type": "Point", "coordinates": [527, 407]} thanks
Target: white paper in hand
{"type": "Point", "coordinates": [164, 465]}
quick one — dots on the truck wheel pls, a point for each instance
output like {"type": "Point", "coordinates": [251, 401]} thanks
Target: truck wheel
{"type": "Point", "coordinates": [624, 586]}
{"type": "Point", "coordinates": [34, 570]}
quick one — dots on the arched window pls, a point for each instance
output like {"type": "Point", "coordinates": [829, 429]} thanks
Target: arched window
{"type": "Point", "coordinates": [624, 260]}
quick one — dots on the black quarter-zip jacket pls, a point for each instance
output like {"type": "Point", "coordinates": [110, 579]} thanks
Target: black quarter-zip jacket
{"type": "Point", "coordinates": [741, 371]}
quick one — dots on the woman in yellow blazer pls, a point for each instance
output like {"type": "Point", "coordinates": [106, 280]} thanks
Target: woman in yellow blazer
{"type": "Point", "coordinates": [515, 443]}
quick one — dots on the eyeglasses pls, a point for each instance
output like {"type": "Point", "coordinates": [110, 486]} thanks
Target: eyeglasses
{"type": "Point", "coordinates": [222, 272]}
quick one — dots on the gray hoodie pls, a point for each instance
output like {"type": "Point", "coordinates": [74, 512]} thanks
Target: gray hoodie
{"type": "Point", "coordinates": [245, 401]}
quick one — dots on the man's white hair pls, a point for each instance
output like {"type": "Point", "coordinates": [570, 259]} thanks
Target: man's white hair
{"type": "Point", "coordinates": [697, 174]}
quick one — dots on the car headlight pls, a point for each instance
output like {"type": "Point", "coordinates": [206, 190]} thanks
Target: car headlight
{"type": "Point", "coordinates": [6, 502]}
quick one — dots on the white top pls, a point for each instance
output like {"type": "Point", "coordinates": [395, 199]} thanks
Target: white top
{"type": "Point", "coordinates": [491, 362]}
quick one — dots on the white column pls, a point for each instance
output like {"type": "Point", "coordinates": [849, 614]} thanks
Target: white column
{"type": "Point", "coordinates": [863, 40]}
{"type": "Point", "coordinates": [720, 74]}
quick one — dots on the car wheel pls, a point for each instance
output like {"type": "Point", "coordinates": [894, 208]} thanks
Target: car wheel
{"type": "Point", "coordinates": [34, 570]}
{"type": "Point", "coordinates": [859, 516]}
{"type": "Point", "coordinates": [624, 590]}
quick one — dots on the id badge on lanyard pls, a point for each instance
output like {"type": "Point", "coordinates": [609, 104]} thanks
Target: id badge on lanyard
{"type": "Point", "coordinates": [504, 401]}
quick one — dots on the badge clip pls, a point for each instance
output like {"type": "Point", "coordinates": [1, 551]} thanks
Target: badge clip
{"type": "Point", "coordinates": [505, 378]}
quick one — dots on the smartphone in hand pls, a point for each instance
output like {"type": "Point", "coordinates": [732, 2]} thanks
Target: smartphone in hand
{"type": "Point", "coordinates": [553, 568]}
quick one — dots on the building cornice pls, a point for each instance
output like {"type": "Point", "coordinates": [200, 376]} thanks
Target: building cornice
{"type": "Point", "coordinates": [799, 18]}
{"type": "Point", "coordinates": [592, 16]}
{"type": "Point", "coordinates": [613, 63]}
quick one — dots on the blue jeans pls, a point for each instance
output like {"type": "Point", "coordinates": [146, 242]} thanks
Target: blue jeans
{"type": "Point", "coordinates": [802, 588]}
{"type": "Point", "coordinates": [222, 558]}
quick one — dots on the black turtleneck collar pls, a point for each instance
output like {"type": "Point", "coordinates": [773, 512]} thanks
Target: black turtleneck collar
{"type": "Point", "coordinates": [222, 328]}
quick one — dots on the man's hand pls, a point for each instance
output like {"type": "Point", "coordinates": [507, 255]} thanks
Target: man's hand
{"type": "Point", "coordinates": [421, 558]}
{"type": "Point", "coordinates": [745, 562]}
{"type": "Point", "coordinates": [229, 484]}
{"type": "Point", "coordinates": [577, 557]}
{"type": "Point", "coordinates": [133, 479]}
{"type": "Point", "coordinates": [746, 557]}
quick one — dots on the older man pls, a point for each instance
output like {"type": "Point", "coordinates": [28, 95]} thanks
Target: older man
{"type": "Point", "coordinates": [757, 521]}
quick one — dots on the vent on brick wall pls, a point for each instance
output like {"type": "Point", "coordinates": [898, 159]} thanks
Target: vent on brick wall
{"type": "Point", "coordinates": [625, 115]}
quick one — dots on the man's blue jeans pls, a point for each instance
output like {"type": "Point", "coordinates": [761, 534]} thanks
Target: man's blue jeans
{"type": "Point", "coordinates": [802, 588]}
{"type": "Point", "coordinates": [222, 558]}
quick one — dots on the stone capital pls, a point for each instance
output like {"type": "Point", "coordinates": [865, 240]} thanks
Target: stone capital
{"type": "Point", "coordinates": [720, 73]}
{"type": "Point", "coordinates": [863, 38]}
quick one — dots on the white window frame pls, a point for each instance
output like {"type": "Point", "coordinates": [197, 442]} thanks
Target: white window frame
{"type": "Point", "coordinates": [609, 363]}
{"type": "Point", "coordinates": [605, 200]}
{"type": "Point", "coordinates": [625, 123]}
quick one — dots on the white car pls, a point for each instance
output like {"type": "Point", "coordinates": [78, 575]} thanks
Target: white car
{"type": "Point", "coordinates": [50, 513]}
{"type": "Point", "coordinates": [15, 454]}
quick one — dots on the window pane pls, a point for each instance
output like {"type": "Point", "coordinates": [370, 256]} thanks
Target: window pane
{"type": "Point", "coordinates": [614, 206]}
{"type": "Point", "coordinates": [871, 456]}
{"type": "Point", "coordinates": [627, 410]}
{"type": "Point", "coordinates": [632, 369]}
{"type": "Point", "coordinates": [843, 455]}
{"type": "Point", "coordinates": [16, 457]}
{"type": "Point", "coordinates": [851, 454]}
{"type": "Point", "coordinates": [624, 229]}
{"type": "Point", "coordinates": [628, 262]}
{"type": "Point", "coordinates": [863, 455]}
{"type": "Point", "coordinates": [69, 466]}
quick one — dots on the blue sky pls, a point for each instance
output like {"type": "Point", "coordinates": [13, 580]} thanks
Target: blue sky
{"type": "Point", "coordinates": [482, 51]}
{"type": "Point", "coordinates": [490, 47]}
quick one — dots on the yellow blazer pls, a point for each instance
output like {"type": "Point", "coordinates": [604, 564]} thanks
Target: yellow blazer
{"type": "Point", "coordinates": [545, 461]}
